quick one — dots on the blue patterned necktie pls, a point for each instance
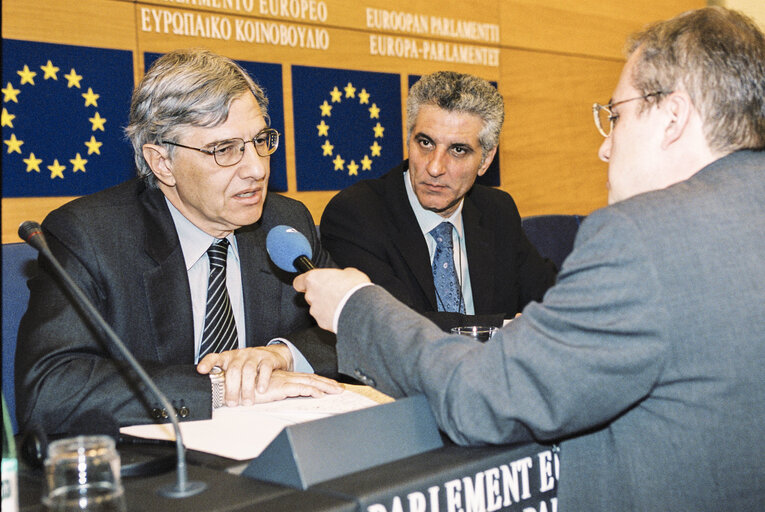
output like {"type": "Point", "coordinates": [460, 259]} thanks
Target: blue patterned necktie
{"type": "Point", "coordinates": [448, 290]}
{"type": "Point", "coordinates": [219, 333]}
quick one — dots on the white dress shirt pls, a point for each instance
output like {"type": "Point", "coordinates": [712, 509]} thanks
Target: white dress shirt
{"type": "Point", "coordinates": [428, 220]}
{"type": "Point", "coordinates": [194, 244]}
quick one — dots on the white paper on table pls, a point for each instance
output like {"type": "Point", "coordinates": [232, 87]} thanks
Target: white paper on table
{"type": "Point", "coordinates": [243, 432]}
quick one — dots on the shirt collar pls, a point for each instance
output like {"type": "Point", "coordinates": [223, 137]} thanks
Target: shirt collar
{"type": "Point", "coordinates": [427, 219]}
{"type": "Point", "coordinates": [194, 241]}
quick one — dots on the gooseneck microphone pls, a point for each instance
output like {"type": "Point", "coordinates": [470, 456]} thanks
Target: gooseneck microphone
{"type": "Point", "coordinates": [31, 233]}
{"type": "Point", "coordinates": [289, 249]}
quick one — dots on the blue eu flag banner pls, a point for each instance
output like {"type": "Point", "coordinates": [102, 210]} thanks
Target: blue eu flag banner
{"type": "Point", "coordinates": [64, 111]}
{"type": "Point", "coordinates": [491, 177]}
{"type": "Point", "coordinates": [269, 78]}
{"type": "Point", "coordinates": [347, 126]}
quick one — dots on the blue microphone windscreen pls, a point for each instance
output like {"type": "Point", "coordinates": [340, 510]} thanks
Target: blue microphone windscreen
{"type": "Point", "coordinates": [285, 244]}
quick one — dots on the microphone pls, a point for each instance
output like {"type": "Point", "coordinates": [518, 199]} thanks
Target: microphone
{"type": "Point", "coordinates": [289, 249]}
{"type": "Point", "coordinates": [31, 233]}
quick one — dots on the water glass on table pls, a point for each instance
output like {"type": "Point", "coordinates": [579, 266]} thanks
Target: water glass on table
{"type": "Point", "coordinates": [480, 333]}
{"type": "Point", "coordinates": [83, 474]}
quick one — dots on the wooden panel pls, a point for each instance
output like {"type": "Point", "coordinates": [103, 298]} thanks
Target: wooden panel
{"type": "Point", "coordinates": [97, 23]}
{"type": "Point", "coordinates": [588, 27]}
{"type": "Point", "coordinates": [549, 141]}
{"type": "Point", "coordinates": [18, 209]}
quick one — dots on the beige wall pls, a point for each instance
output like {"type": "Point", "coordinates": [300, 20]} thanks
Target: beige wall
{"type": "Point", "coordinates": [556, 57]}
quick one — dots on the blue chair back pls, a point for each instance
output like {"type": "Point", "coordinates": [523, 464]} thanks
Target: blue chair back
{"type": "Point", "coordinates": [19, 264]}
{"type": "Point", "coordinates": [552, 235]}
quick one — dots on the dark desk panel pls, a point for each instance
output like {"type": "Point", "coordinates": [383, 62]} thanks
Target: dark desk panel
{"type": "Point", "coordinates": [450, 478]}
{"type": "Point", "coordinates": [517, 478]}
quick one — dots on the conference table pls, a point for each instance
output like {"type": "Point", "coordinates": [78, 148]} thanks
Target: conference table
{"type": "Point", "coordinates": [451, 478]}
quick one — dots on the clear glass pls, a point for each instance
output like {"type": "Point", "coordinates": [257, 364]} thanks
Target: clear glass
{"type": "Point", "coordinates": [230, 152]}
{"type": "Point", "coordinates": [477, 332]}
{"type": "Point", "coordinates": [83, 474]}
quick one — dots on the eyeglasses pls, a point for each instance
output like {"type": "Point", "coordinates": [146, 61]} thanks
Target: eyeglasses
{"type": "Point", "coordinates": [230, 152]}
{"type": "Point", "coordinates": [605, 117]}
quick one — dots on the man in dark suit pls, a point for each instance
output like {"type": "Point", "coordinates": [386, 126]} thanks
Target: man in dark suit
{"type": "Point", "coordinates": [384, 226]}
{"type": "Point", "coordinates": [199, 128]}
{"type": "Point", "coordinates": [646, 359]}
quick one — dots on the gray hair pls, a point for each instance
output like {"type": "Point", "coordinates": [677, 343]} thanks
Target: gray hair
{"type": "Point", "coordinates": [718, 56]}
{"type": "Point", "coordinates": [459, 92]}
{"type": "Point", "coordinates": [190, 87]}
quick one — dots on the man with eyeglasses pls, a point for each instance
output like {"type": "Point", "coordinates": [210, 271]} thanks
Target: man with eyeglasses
{"type": "Point", "coordinates": [646, 360]}
{"type": "Point", "coordinates": [176, 262]}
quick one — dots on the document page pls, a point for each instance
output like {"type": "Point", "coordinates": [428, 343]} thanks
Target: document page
{"type": "Point", "coordinates": [242, 433]}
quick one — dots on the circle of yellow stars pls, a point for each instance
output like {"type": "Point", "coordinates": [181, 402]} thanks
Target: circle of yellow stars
{"type": "Point", "coordinates": [14, 145]}
{"type": "Point", "coordinates": [336, 96]}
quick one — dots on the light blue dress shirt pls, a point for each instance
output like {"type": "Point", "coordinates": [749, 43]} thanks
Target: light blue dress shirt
{"type": "Point", "coordinates": [428, 220]}
{"type": "Point", "coordinates": [194, 244]}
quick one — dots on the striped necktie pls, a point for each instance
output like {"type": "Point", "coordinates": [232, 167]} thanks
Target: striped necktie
{"type": "Point", "coordinates": [219, 333]}
{"type": "Point", "coordinates": [445, 279]}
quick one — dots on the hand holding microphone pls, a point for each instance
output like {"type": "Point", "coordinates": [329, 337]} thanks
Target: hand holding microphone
{"type": "Point", "coordinates": [325, 289]}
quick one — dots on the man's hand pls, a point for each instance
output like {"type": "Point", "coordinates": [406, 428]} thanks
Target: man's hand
{"type": "Point", "coordinates": [288, 384]}
{"type": "Point", "coordinates": [324, 289]}
{"type": "Point", "coordinates": [247, 368]}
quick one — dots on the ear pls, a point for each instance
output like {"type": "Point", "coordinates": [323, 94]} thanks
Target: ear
{"type": "Point", "coordinates": [487, 161]}
{"type": "Point", "coordinates": [159, 162]}
{"type": "Point", "coordinates": [679, 108]}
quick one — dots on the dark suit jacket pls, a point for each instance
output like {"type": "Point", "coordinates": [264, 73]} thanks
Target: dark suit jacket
{"type": "Point", "coordinates": [121, 247]}
{"type": "Point", "coordinates": [371, 226]}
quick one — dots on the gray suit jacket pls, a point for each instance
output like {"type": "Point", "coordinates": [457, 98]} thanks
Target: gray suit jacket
{"type": "Point", "coordinates": [646, 360]}
{"type": "Point", "coordinates": [121, 247]}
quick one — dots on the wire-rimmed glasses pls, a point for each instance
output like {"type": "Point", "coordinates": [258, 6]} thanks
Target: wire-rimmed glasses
{"type": "Point", "coordinates": [230, 152]}
{"type": "Point", "coordinates": [605, 117]}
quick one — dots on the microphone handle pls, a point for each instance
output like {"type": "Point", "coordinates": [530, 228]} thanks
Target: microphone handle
{"type": "Point", "coordinates": [303, 263]}
{"type": "Point", "coordinates": [182, 488]}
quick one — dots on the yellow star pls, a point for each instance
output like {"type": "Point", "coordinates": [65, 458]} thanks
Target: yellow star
{"type": "Point", "coordinates": [33, 163]}
{"type": "Point", "coordinates": [350, 91]}
{"type": "Point", "coordinates": [78, 163]}
{"type": "Point", "coordinates": [364, 97]}
{"type": "Point", "coordinates": [14, 144]}
{"type": "Point", "coordinates": [376, 148]}
{"type": "Point", "coordinates": [7, 119]}
{"type": "Point", "coordinates": [339, 162]}
{"type": "Point", "coordinates": [353, 168]}
{"type": "Point", "coordinates": [94, 146]}
{"type": "Point", "coordinates": [56, 170]}
{"type": "Point", "coordinates": [50, 71]}
{"type": "Point", "coordinates": [337, 96]}
{"type": "Point", "coordinates": [73, 79]}
{"type": "Point", "coordinates": [9, 94]}
{"type": "Point", "coordinates": [91, 98]}
{"type": "Point", "coordinates": [27, 75]}
{"type": "Point", "coordinates": [366, 163]}
{"type": "Point", "coordinates": [97, 121]}
{"type": "Point", "coordinates": [378, 130]}
{"type": "Point", "coordinates": [326, 109]}
{"type": "Point", "coordinates": [323, 129]}
{"type": "Point", "coordinates": [374, 111]}
{"type": "Point", "coordinates": [327, 147]}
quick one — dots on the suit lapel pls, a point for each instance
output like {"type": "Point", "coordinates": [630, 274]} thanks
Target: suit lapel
{"type": "Point", "coordinates": [260, 289]}
{"type": "Point", "coordinates": [479, 244]}
{"type": "Point", "coordinates": [167, 283]}
{"type": "Point", "coordinates": [409, 240]}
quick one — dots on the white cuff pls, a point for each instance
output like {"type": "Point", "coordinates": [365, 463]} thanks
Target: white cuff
{"type": "Point", "coordinates": [299, 362]}
{"type": "Point", "coordinates": [345, 299]}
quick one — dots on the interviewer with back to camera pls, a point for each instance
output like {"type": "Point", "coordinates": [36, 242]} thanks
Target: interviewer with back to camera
{"type": "Point", "coordinates": [200, 132]}
{"type": "Point", "coordinates": [646, 360]}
